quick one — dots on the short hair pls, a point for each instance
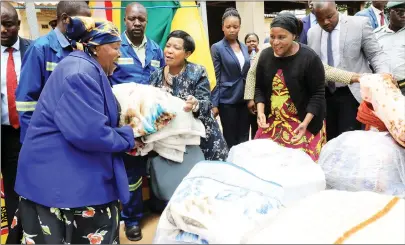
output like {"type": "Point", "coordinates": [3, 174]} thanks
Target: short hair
{"type": "Point", "coordinates": [8, 7]}
{"type": "Point", "coordinates": [251, 34]}
{"type": "Point", "coordinates": [71, 8]}
{"type": "Point", "coordinates": [322, 4]}
{"type": "Point", "coordinates": [189, 44]}
{"type": "Point", "coordinates": [231, 12]}
{"type": "Point", "coordinates": [138, 5]}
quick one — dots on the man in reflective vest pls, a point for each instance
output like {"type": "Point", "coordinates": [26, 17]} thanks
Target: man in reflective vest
{"type": "Point", "coordinates": [41, 59]}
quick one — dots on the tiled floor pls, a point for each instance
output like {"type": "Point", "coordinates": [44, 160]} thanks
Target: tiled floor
{"type": "Point", "coordinates": [148, 225]}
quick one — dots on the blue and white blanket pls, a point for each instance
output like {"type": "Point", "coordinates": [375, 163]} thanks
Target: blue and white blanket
{"type": "Point", "coordinates": [222, 202]}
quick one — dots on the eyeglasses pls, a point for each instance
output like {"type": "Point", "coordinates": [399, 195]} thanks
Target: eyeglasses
{"type": "Point", "coordinates": [399, 12]}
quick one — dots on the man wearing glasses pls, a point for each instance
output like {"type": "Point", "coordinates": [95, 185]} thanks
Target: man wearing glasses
{"type": "Point", "coordinates": [391, 37]}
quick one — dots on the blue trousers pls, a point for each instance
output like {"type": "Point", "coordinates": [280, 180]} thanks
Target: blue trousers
{"type": "Point", "coordinates": [132, 212]}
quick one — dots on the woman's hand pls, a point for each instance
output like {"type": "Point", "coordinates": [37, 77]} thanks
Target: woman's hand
{"type": "Point", "coordinates": [191, 104]}
{"type": "Point", "coordinates": [299, 132]}
{"type": "Point", "coordinates": [139, 143]}
{"type": "Point", "coordinates": [252, 107]}
{"type": "Point", "coordinates": [215, 111]}
{"type": "Point", "coordinates": [262, 120]}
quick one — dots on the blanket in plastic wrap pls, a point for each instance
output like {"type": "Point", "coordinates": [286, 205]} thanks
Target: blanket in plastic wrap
{"type": "Point", "coordinates": [219, 202]}
{"type": "Point", "coordinates": [337, 217]}
{"type": "Point", "coordinates": [387, 101]}
{"type": "Point", "coordinates": [143, 107]}
{"type": "Point", "coordinates": [292, 168]}
{"type": "Point", "coordinates": [364, 161]}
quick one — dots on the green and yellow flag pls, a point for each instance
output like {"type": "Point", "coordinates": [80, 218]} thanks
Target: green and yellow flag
{"type": "Point", "coordinates": [164, 17]}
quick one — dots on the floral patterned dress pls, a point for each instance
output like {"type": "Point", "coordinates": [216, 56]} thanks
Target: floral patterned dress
{"type": "Point", "coordinates": [283, 120]}
{"type": "Point", "coordinates": [44, 225]}
{"type": "Point", "coordinates": [193, 80]}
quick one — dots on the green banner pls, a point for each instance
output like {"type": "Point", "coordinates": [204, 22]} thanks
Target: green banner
{"type": "Point", "coordinates": [160, 16]}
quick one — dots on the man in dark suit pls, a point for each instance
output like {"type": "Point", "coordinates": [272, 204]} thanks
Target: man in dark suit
{"type": "Point", "coordinates": [308, 21]}
{"type": "Point", "coordinates": [13, 49]}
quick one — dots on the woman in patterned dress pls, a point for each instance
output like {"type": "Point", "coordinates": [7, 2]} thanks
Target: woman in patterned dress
{"type": "Point", "coordinates": [189, 81]}
{"type": "Point", "coordinates": [290, 91]}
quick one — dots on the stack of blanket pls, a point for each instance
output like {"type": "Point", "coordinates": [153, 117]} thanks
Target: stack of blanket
{"type": "Point", "coordinates": [159, 118]}
{"type": "Point", "coordinates": [221, 202]}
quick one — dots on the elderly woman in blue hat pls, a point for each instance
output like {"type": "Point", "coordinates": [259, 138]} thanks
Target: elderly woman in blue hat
{"type": "Point", "coordinates": [70, 173]}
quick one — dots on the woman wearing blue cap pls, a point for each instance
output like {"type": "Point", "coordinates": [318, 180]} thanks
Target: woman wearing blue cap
{"type": "Point", "coordinates": [70, 174]}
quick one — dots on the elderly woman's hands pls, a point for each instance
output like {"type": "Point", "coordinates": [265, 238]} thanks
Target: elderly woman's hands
{"type": "Point", "coordinates": [191, 104]}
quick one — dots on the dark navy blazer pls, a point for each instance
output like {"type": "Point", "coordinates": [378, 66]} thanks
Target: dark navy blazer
{"type": "Point", "coordinates": [306, 22]}
{"type": "Point", "coordinates": [230, 77]}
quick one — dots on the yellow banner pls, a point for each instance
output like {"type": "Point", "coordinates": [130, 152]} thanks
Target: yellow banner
{"type": "Point", "coordinates": [189, 20]}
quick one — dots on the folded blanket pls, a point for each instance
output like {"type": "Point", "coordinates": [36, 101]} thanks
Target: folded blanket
{"type": "Point", "coordinates": [387, 102]}
{"type": "Point", "coordinates": [143, 107]}
{"type": "Point", "coordinates": [160, 119]}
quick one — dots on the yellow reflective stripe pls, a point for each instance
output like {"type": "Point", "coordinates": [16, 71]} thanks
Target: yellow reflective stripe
{"type": "Point", "coordinates": [401, 84]}
{"type": "Point", "coordinates": [125, 61]}
{"type": "Point", "coordinates": [50, 66]}
{"type": "Point", "coordinates": [26, 105]}
{"type": "Point", "coordinates": [136, 185]}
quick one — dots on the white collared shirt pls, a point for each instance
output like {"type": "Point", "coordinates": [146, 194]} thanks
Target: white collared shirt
{"type": "Point", "coordinates": [17, 65]}
{"type": "Point", "coordinates": [335, 47]}
{"type": "Point", "coordinates": [393, 44]}
{"type": "Point", "coordinates": [312, 19]}
{"type": "Point", "coordinates": [140, 50]}
{"type": "Point", "coordinates": [377, 13]}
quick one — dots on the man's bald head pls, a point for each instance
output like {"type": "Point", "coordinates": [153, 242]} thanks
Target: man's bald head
{"type": "Point", "coordinates": [135, 19]}
{"type": "Point", "coordinates": [326, 14]}
{"type": "Point", "coordinates": [10, 24]}
{"type": "Point", "coordinates": [135, 6]}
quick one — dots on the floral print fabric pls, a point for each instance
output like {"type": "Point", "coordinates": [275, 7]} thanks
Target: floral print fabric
{"type": "Point", "coordinates": [283, 120]}
{"type": "Point", "coordinates": [388, 103]}
{"type": "Point", "coordinates": [86, 225]}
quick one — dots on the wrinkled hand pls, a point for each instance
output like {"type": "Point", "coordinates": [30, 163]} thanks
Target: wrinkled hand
{"type": "Point", "coordinates": [262, 120]}
{"type": "Point", "coordinates": [191, 103]}
{"type": "Point", "coordinates": [299, 133]}
{"type": "Point", "coordinates": [215, 111]}
{"type": "Point", "coordinates": [252, 107]}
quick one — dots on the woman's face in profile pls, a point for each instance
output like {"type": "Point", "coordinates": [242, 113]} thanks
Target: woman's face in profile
{"type": "Point", "coordinates": [107, 55]}
{"type": "Point", "coordinates": [174, 52]}
{"type": "Point", "coordinates": [252, 43]}
{"type": "Point", "coordinates": [281, 41]}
